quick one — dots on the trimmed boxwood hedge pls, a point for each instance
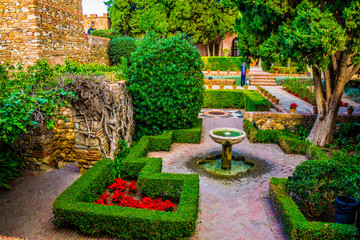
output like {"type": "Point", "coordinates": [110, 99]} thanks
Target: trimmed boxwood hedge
{"type": "Point", "coordinates": [296, 225]}
{"type": "Point", "coordinates": [224, 63]}
{"type": "Point", "coordinates": [287, 144]}
{"type": "Point", "coordinates": [75, 207]}
{"type": "Point", "coordinates": [250, 100]}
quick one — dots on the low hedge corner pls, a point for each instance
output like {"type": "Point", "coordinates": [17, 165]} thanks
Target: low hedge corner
{"type": "Point", "coordinates": [75, 207]}
{"type": "Point", "coordinates": [296, 225]}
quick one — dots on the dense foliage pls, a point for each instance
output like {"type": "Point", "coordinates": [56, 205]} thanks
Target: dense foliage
{"type": "Point", "coordinates": [9, 165]}
{"type": "Point", "coordinates": [321, 34]}
{"type": "Point", "coordinates": [247, 99]}
{"type": "Point", "coordinates": [121, 47]}
{"type": "Point", "coordinates": [166, 84]}
{"type": "Point", "coordinates": [297, 226]}
{"type": "Point", "coordinates": [201, 20]}
{"type": "Point", "coordinates": [316, 183]}
{"type": "Point", "coordinates": [29, 97]}
{"type": "Point", "coordinates": [106, 33]}
{"type": "Point", "coordinates": [224, 63]}
{"type": "Point", "coordinates": [113, 73]}
{"type": "Point", "coordinates": [303, 87]}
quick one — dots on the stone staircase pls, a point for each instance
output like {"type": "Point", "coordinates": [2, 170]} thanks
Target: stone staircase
{"type": "Point", "coordinates": [263, 79]}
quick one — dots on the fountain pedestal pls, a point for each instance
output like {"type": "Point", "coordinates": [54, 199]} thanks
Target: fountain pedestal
{"type": "Point", "coordinates": [226, 156]}
{"type": "Point", "coordinates": [227, 137]}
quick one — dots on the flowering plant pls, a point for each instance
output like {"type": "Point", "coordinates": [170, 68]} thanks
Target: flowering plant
{"type": "Point", "coordinates": [120, 197]}
{"type": "Point", "coordinates": [296, 95]}
{"type": "Point", "coordinates": [289, 91]}
{"type": "Point", "coordinates": [346, 104]}
{"type": "Point", "coordinates": [276, 69]}
{"type": "Point", "coordinates": [306, 99]}
{"type": "Point", "coordinates": [293, 106]}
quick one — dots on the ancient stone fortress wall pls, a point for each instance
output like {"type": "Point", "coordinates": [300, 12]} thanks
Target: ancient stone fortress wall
{"type": "Point", "coordinates": [100, 22]}
{"type": "Point", "coordinates": [18, 30]}
{"type": "Point", "coordinates": [51, 29]}
{"type": "Point", "coordinates": [69, 141]}
{"type": "Point", "coordinates": [280, 121]}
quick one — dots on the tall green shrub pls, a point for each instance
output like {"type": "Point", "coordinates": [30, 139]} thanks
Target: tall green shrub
{"type": "Point", "coordinates": [121, 47]}
{"type": "Point", "coordinates": [166, 83]}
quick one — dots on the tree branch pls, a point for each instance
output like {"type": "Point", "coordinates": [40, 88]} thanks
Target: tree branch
{"type": "Point", "coordinates": [334, 62]}
{"type": "Point", "coordinates": [320, 101]}
{"type": "Point", "coordinates": [353, 72]}
{"type": "Point", "coordinates": [327, 84]}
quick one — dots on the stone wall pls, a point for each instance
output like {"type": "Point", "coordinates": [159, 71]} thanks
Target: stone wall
{"type": "Point", "coordinates": [50, 29]}
{"type": "Point", "coordinates": [69, 141]}
{"type": "Point", "coordinates": [280, 121]}
{"type": "Point", "coordinates": [100, 22]}
{"type": "Point", "coordinates": [17, 31]}
{"type": "Point", "coordinates": [98, 50]}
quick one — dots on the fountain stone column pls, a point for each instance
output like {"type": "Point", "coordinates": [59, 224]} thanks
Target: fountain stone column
{"type": "Point", "coordinates": [226, 156]}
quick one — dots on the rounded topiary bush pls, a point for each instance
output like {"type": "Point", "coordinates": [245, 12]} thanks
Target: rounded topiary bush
{"type": "Point", "coordinates": [316, 183]}
{"type": "Point", "coordinates": [166, 84]}
{"type": "Point", "coordinates": [121, 47]}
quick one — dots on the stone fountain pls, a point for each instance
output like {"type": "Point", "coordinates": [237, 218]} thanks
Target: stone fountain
{"type": "Point", "coordinates": [227, 137]}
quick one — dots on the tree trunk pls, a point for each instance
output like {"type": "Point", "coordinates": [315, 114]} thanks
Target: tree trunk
{"type": "Point", "coordinates": [220, 46]}
{"type": "Point", "coordinates": [213, 48]}
{"type": "Point", "coordinates": [328, 100]}
{"type": "Point", "coordinates": [207, 49]}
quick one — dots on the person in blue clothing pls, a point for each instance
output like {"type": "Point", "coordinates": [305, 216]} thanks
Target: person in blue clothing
{"type": "Point", "coordinates": [243, 73]}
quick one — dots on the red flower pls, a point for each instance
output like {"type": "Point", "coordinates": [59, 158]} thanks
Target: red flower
{"type": "Point", "coordinates": [276, 69]}
{"type": "Point", "coordinates": [306, 99]}
{"type": "Point", "coordinates": [293, 106]}
{"type": "Point", "coordinates": [289, 91]}
{"type": "Point", "coordinates": [341, 103]}
{"type": "Point", "coordinates": [118, 184]}
{"type": "Point", "coordinates": [346, 104]}
{"type": "Point", "coordinates": [132, 186]}
{"type": "Point", "coordinates": [120, 197]}
{"type": "Point", "coordinates": [296, 95]}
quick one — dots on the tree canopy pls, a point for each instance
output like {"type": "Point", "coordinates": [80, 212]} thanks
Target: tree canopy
{"type": "Point", "coordinates": [322, 34]}
{"type": "Point", "coordinates": [201, 20]}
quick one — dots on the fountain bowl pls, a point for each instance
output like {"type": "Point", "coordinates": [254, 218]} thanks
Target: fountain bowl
{"type": "Point", "coordinates": [236, 135]}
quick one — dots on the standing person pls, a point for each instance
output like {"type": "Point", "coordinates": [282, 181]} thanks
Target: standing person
{"type": "Point", "coordinates": [243, 73]}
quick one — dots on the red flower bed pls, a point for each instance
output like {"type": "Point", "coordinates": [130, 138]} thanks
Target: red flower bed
{"type": "Point", "coordinates": [123, 195]}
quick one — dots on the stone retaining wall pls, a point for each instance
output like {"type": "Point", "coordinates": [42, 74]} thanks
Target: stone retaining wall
{"type": "Point", "coordinates": [280, 121]}
{"type": "Point", "coordinates": [42, 148]}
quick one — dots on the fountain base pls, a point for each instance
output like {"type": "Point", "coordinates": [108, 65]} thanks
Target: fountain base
{"type": "Point", "coordinates": [216, 166]}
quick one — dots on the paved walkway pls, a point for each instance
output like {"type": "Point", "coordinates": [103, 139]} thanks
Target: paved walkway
{"type": "Point", "coordinates": [233, 209]}
{"type": "Point", "coordinates": [229, 209]}
{"type": "Point", "coordinates": [303, 107]}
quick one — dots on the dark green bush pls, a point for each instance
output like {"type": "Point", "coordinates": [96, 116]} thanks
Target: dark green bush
{"type": "Point", "coordinates": [223, 99]}
{"type": "Point", "coordinates": [166, 84]}
{"type": "Point", "coordinates": [316, 183]}
{"type": "Point", "coordinates": [254, 101]}
{"type": "Point", "coordinates": [224, 63]}
{"type": "Point", "coordinates": [9, 166]}
{"type": "Point", "coordinates": [75, 207]}
{"type": "Point", "coordinates": [121, 47]}
{"type": "Point", "coordinates": [106, 33]}
{"type": "Point", "coordinates": [296, 225]}
{"type": "Point", "coordinates": [248, 99]}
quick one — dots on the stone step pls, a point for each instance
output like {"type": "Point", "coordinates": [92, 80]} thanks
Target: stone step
{"type": "Point", "coordinates": [262, 79]}
{"type": "Point", "coordinates": [263, 83]}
